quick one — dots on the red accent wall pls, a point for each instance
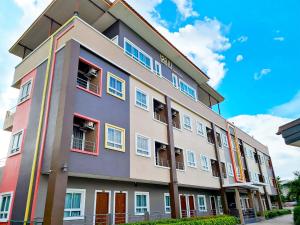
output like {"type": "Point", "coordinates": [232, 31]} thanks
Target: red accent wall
{"type": "Point", "coordinates": [12, 166]}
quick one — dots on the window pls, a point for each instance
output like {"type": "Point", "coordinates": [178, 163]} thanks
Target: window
{"type": "Point", "coordinates": [16, 142]}
{"type": "Point", "coordinates": [255, 177]}
{"type": "Point", "coordinates": [85, 137]}
{"type": "Point", "coordinates": [200, 130]}
{"type": "Point", "coordinates": [223, 167]}
{"type": "Point", "coordinates": [141, 203]}
{"type": "Point", "coordinates": [5, 200]}
{"type": "Point", "coordinates": [116, 86]}
{"type": "Point", "coordinates": [230, 169]}
{"type": "Point", "coordinates": [215, 168]}
{"type": "Point", "coordinates": [114, 138]}
{"type": "Point", "coordinates": [175, 80]}
{"type": "Point", "coordinates": [187, 89]}
{"type": "Point", "coordinates": [89, 77]}
{"type": "Point", "coordinates": [167, 203]}
{"type": "Point", "coordinates": [204, 163]}
{"type": "Point", "coordinates": [219, 141]}
{"type": "Point", "coordinates": [157, 68]}
{"type": "Point", "coordinates": [202, 203]}
{"type": "Point", "coordinates": [25, 91]}
{"type": "Point", "coordinates": [224, 140]}
{"type": "Point", "coordinates": [115, 39]}
{"type": "Point", "coordinates": [74, 204]}
{"type": "Point", "coordinates": [191, 159]}
{"type": "Point", "coordinates": [210, 136]}
{"type": "Point", "coordinates": [141, 99]}
{"type": "Point", "coordinates": [249, 153]}
{"type": "Point", "coordinates": [137, 54]}
{"type": "Point", "coordinates": [220, 204]}
{"type": "Point", "coordinates": [187, 122]}
{"type": "Point", "coordinates": [142, 145]}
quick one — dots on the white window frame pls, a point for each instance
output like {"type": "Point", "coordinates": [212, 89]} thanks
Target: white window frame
{"type": "Point", "coordinates": [205, 204]}
{"type": "Point", "coordinates": [111, 90]}
{"type": "Point", "coordinates": [156, 63]}
{"type": "Point", "coordinates": [20, 143]}
{"type": "Point", "coordinates": [204, 167]}
{"type": "Point", "coordinates": [139, 50]}
{"type": "Point", "coordinates": [9, 207]}
{"type": "Point", "coordinates": [198, 125]}
{"type": "Point", "coordinates": [148, 143]}
{"type": "Point", "coordinates": [147, 99]}
{"type": "Point", "coordinates": [189, 86]}
{"type": "Point", "coordinates": [167, 211]}
{"type": "Point", "coordinates": [189, 163]}
{"type": "Point", "coordinates": [220, 206]}
{"type": "Point", "coordinates": [175, 80]}
{"type": "Point", "coordinates": [82, 203]}
{"type": "Point", "coordinates": [29, 92]}
{"type": "Point", "coordinates": [115, 39]}
{"type": "Point", "coordinates": [184, 124]}
{"type": "Point", "coordinates": [230, 169]}
{"type": "Point", "coordinates": [136, 193]}
{"type": "Point", "coordinates": [224, 140]}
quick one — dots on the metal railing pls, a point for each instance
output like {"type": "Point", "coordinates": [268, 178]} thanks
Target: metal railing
{"type": "Point", "coordinates": [163, 163]}
{"type": "Point", "coordinates": [180, 165]}
{"type": "Point", "coordinates": [87, 85]}
{"type": "Point", "coordinates": [157, 116]}
{"type": "Point", "coordinates": [80, 144]}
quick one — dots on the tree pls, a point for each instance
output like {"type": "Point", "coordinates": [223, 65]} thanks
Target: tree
{"type": "Point", "coordinates": [294, 187]}
{"type": "Point", "coordinates": [280, 186]}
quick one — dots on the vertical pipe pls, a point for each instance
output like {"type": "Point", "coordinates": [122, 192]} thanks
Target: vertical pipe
{"type": "Point", "coordinates": [173, 186]}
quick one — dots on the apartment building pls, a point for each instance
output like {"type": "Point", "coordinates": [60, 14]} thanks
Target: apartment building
{"type": "Point", "coordinates": [114, 124]}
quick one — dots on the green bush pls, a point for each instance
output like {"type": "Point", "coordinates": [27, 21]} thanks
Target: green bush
{"type": "Point", "coordinates": [205, 220]}
{"type": "Point", "coordinates": [276, 212]}
{"type": "Point", "coordinates": [297, 215]}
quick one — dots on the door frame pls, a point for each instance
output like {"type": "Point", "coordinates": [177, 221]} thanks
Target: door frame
{"type": "Point", "coordinates": [95, 202]}
{"type": "Point", "coordinates": [216, 208]}
{"type": "Point", "coordinates": [114, 203]}
{"type": "Point", "coordinates": [188, 205]}
{"type": "Point", "coordinates": [180, 204]}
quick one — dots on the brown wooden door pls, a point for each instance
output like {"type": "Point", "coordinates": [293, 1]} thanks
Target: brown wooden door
{"type": "Point", "coordinates": [102, 206]}
{"type": "Point", "coordinates": [192, 206]}
{"type": "Point", "coordinates": [120, 208]}
{"type": "Point", "coordinates": [213, 205]}
{"type": "Point", "coordinates": [183, 206]}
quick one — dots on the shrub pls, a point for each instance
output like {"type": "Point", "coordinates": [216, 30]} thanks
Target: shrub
{"type": "Point", "coordinates": [205, 220]}
{"type": "Point", "coordinates": [297, 215]}
{"type": "Point", "coordinates": [276, 212]}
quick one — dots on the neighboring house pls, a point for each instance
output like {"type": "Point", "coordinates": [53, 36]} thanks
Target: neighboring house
{"type": "Point", "coordinates": [114, 123]}
{"type": "Point", "coordinates": [291, 133]}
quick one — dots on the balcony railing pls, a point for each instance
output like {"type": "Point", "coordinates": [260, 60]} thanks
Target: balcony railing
{"type": "Point", "coordinates": [9, 118]}
{"type": "Point", "coordinates": [163, 163]}
{"type": "Point", "coordinates": [83, 145]}
{"type": "Point", "coordinates": [87, 85]}
{"type": "Point", "coordinates": [180, 165]}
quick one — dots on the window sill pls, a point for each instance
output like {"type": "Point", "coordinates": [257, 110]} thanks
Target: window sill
{"type": "Point", "coordinates": [88, 91]}
{"type": "Point", "coordinates": [116, 96]}
{"type": "Point", "coordinates": [74, 218]}
{"type": "Point", "coordinates": [114, 149]}
{"type": "Point", "coordinates": [146, 109]}
{"type": "Point", "coordinates": [22, 102]}
{"type": "Point", "coordinates": [160, 122]}
{"type": "Point", "coordinates": [85, 152]}
{"type": "Point", "coordinates": [162, 167]}
{"type": "Point", "coordinates": [179, 129]}
{"type": "Point", "coordinates": [190, 130]}
{"type": "Point", "coordinates": [194, 167]}
{"type": "Point", "coordinates": [145, 156]}
{"type": "Point", "coordinates": [14, 154]}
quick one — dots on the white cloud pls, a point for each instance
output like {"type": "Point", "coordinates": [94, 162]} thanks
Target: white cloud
{"type": "Point", "coordinates": [261, 73]}
{"type": "Point", "coordinates": [239, 58]}
{"type": "Point", "coordinates": [279, 39]}
{"type": "Point", "coordinates": [202, 41]}
{"type": "Point", "coordinates": [185, 7]}
{"type": "Point", "coordinates": [242, 39]}
{"type": "Point", "coordinates": [264, 127]}
{"type": "Point", "coordinates": [289, 109]}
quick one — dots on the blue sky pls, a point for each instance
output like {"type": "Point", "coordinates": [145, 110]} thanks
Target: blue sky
{"type": "Point", "coordinates": [250, 49]}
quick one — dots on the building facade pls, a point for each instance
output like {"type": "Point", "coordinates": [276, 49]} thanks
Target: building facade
{"type": "Point", "coordinates": [114, 124]}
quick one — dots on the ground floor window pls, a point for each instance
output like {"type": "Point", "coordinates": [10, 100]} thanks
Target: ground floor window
{"type": "Point", "coordinates": [74, 204]}
{"type": "Point", "coordinates": [202, 203]}
{"type": "Point", "coordinates": [141, 203]}
{"type": "Point", "coordinates": [167, 203]}
{"type": "Point", "coordinates": [5, 200]}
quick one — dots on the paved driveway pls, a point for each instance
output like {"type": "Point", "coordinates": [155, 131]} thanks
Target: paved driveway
{"type": "Point", "coordinates": [281, 220]}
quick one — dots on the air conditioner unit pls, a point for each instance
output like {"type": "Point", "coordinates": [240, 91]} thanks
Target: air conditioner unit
{"type": "Point", "coordinates": [163, 147]}
{"type": "Point", "coordinates": [92, 72]}
{"type": "Point", "coordinates": [174, 113]}
{"type": "Point", "coordinates": [160, 107]}
{"type": "Point", "coordinates": [89, 125]}
{"type": "Point", "coordinates": [177, 151]}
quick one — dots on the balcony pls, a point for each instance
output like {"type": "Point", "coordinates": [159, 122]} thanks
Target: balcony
{"type": "Point", "coordinates": [83, 145]}
{"type": "Point", "coordinates": [179, 159]}
{"type": "Point", "coordinates": [175, 119]}
{"type": "Point", "coordinates": [160, 111]}
{"type": "Point", "coordinates": [161, 155]}
{"type": "Point", "coordinates": [9, 118]}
